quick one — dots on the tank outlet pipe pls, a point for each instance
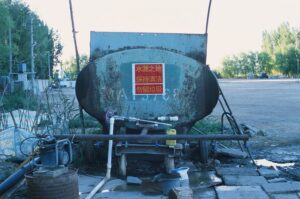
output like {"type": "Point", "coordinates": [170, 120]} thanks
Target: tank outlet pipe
{"type": "Point", "coordinates": [109, 159]}
{"type": "Point", "coordinates": [168, 118]}
{"type": "Point", "coordinates": [134, 119]}
{"type": "Point", "coordinates": [17, 176]}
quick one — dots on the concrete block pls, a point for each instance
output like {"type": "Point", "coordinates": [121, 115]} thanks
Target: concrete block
{"type": "Point", "coordinates": [205, 193]}
{"type": "Point", "coordinates": [237, 192]}
{"type": "Point", "coordinates": [188, 164]}
{"type": "Point", "coordinates": [113, 184]}
{"type": "Point", "coordinates": [282, 187]}
{"type": "Point", "coordinates": [181, 193]}
{"type": "Point", "coordinates": [204, 179]}
{"type": "Point", "coordinates": [285, 196]}
{"type": "Point", "coordinates": [244, 171]}
{"type": "Point", "coordinates": [233, 153]}
{"type": "Point", "coordinates": [126, 195]}
{"type": "Point", "coordinates": [234, 180]}
{"type": "Point", "coordinates": [295, 173]}
{"type": "Point", "coordinates": [87, 183]}
{"type": "Point", "coordinates": [134, 180]}
{"type": "Point", "coordinates": [276, 180]}
{"type": "Point", "coordinates": [268, 173]}
{"type": "Point", "coordinates": [50, 173]}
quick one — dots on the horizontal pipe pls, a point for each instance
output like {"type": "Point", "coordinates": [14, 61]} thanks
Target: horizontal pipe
{"type": "Point", "coordinates": [105, 137]}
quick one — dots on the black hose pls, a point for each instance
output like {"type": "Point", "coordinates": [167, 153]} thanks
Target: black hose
{"type": "Point", "coordinates": [22, 142]}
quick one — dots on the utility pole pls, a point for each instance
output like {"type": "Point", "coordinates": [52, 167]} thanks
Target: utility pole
{"type": "Point", "coordinates": [77, 61]}
{"type": "Point", "coordinates": [11, 80]}
{"type": "Point", "coordinates": [74, 37]}
{"type": "Point", "coordinates": [32, 55]}
{"type": "Point", "coordinates": [49, 73]}
{"type": "Point", "coordinates": [297, 59]}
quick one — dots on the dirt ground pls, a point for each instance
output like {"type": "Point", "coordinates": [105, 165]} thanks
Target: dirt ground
{"type": "Point", "coordinates": [270, 105]}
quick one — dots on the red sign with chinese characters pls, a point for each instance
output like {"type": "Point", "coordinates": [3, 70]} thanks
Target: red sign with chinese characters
{"type": "Point", "coordinates": [148, 79]}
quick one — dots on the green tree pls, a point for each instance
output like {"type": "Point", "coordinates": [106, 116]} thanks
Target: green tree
{"type": "Point", "coordinates": [70, 68]}
{"type": "Point", "coordinates": [5, 24]}
{"type": "Point", "coordinates": [264, 62]}
{"type": "Point", "coordinates": [240, 65]}
{"type": "Point", "coordinates": [280, 44]}
{"type": "Point", "coordinates": [17, 16]}
{"type": "Point", "coordinates": [279, 53]}
{"type": "Point", "coordinates": [230, 69]}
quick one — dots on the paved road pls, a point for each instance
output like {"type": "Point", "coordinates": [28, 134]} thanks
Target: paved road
{"type": "Point", "coordinates": [270, 105]}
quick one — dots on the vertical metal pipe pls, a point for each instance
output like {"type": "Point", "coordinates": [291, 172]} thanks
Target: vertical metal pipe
{"type": "Point", "coordinates": [109, 158]}
{"type": "Point", "coordinates": [110, 145]}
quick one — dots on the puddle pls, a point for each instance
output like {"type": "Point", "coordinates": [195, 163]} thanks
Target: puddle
{"type": "Point", "coordinates": [147, 188]}
{"type": "Point", "coordinates": [197, 180]}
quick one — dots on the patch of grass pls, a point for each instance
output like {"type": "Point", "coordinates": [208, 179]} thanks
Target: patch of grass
{"type": "Point", "coordinates": [89, 122]}
{"type": "Point", "coordinates": [19, 100]}
{"type": "Point", "coordinates": [208, 125]}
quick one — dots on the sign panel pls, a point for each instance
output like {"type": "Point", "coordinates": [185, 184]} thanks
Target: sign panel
{"type": "Point", "coordinates": [148, 79]}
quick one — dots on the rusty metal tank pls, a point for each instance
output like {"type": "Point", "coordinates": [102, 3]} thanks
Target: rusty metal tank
{"type": "Point", "coordinates": [148, 75]}
{"type": "Point", "coordinates": [63, 186]}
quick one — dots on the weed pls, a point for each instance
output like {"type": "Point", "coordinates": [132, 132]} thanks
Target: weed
{"type": "Point", "coordinates": [208, 125]}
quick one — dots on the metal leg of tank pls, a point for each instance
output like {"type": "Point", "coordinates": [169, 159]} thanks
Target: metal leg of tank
{"type": "Point", "coordinates": [169, 164]}
{"type": "Point", "coordinates": [122, 165]}
{"type": "Point", "coordinates": [203, 147]}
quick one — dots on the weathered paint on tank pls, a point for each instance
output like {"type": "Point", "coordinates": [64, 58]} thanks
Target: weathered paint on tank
{"type": "Point", "coordinates": [105, 85]}
{"type": "Point", "coordinates": [190, 45]}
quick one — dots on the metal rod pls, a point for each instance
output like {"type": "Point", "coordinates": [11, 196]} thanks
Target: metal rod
{"type": "Point", "coordinates": [48, 59]}
{"type": "Point", "coordinates": [207, 18]}
{"type": "Point", "coordinates": [225, 101]}
{"type": "Point", "coordinates": [77, 61]}
{"type": "Point", "coordinates": [11, 80]}
{"type": "Point", "coordinates": [105, 137]}
{"type": "Point", "coordinates": [32, 44]}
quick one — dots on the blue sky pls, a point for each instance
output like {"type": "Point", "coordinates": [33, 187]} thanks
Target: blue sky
{"type": "Point", "coordinates": [235, 25]}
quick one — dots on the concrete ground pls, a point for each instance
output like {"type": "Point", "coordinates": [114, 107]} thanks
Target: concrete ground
{"type": "Point", "coordinates": [270, 105]}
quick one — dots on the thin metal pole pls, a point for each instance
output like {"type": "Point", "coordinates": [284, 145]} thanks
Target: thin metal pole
{"type": "Point", "coordinates": [207, 18]}
{"type": "Point", "coordinates": [77, 61]}
{"type": "Point", "coordinates": [297, 59]}
{"type": "Point", "coordinates": [49, 73]}
{"type": "Point", "coordinates": [32, 54]}
{"type": "Point", "coordinates": [11, 81]}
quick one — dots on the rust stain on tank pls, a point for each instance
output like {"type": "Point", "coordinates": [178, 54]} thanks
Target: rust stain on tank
{"type": "Point", "coordinates": [111, 86]}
